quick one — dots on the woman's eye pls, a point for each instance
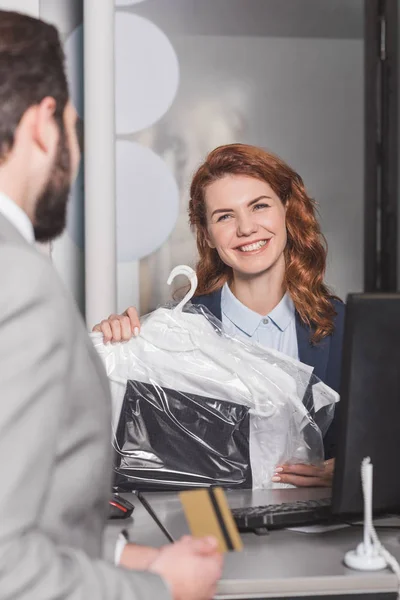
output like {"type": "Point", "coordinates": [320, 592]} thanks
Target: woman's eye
{"type": "Point", "coordinates": [258, 206]}
{"type": "Point", "coordinates": [223, 218]}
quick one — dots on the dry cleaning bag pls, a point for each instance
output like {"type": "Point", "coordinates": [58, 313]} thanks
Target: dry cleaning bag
{"type": "Point", "coordinates": [193, 406]}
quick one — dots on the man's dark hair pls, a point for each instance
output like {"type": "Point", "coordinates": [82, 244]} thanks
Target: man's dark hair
{"type": "Point", "coordinates": [31, 68]}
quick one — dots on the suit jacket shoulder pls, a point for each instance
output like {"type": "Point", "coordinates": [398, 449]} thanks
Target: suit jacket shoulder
{"type": "Point", "coordinates": [55, 431]}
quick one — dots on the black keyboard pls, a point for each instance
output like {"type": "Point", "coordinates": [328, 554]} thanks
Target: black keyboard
{"type": "Point", "coordinates": [290, 514]}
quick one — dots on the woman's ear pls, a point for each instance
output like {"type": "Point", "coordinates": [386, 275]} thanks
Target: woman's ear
{"type": "Point", "coordinates": [209, 240]}
{"type": "Point", "coordinates": [286, 205]}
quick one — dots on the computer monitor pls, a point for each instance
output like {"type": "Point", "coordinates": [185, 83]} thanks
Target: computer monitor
{"type": "Point", "coordinates": [369, 413]}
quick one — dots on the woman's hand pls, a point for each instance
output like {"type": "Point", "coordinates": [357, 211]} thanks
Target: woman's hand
{"type": "Point", "coordinates": [306, 475]}
{"type": "Point", "coordinates": [119, 328]}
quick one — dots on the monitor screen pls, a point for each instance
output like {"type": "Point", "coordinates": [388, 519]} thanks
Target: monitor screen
{"type": "Point", "coordinates": [369, 409]}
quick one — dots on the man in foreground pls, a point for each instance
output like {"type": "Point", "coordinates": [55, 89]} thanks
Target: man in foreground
{"type": "Point", "coordinates": [55, 452]}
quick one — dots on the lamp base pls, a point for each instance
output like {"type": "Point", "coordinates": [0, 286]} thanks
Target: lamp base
{"type": "Point", "coordinates": [361, 561]}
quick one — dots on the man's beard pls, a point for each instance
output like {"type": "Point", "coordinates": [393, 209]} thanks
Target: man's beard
{"type": "Point", "coordinates": [51, 208]}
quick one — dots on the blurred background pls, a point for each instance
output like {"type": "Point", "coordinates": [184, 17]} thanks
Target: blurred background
{"type": "Point", "coordinates": [314, 81]}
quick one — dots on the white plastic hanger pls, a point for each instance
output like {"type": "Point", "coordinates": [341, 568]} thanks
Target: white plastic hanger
{"type": "Point", "coordinates": [191, 275]}
{"type": "Point", "coordinates": [164, 324]}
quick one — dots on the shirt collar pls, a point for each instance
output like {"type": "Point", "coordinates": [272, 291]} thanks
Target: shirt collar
{"type": "Point", "coordinates": [17, 217]}
{"type": "Point", "coordinates": [283, 312]}
{"type": "Point", "coordinates": [247, 320]}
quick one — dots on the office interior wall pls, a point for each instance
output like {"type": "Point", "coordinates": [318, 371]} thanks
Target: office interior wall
{"type": "Point", "coordinates": [286, 75]}
{"type": "Point", "coordinates": [30, 7]}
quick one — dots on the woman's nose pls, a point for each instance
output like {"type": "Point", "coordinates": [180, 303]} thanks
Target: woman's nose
{"type": "Point", "coordinates": [246, 225]}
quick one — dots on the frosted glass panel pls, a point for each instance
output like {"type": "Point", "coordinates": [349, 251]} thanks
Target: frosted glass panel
{"type": "Point", "coordinates": [280, 74]}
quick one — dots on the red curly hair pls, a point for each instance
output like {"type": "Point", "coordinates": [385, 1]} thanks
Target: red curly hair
{"type": "Point", "coordinates": [306, 249]}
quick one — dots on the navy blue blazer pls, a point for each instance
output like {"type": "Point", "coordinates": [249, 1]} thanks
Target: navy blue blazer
{"type": "Point", "coordinates": [325, 356]}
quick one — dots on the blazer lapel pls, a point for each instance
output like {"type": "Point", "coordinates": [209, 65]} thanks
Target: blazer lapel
{"type": "Point", "coordinates": [215, 304]}
{"type": "Point", "coordinates": [212, 302]}
{"type": "Point", "coordinates": [315, 355]}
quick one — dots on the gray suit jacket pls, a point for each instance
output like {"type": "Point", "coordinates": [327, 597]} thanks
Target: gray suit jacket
{"type": "Point", "coordinates": [55, 451]}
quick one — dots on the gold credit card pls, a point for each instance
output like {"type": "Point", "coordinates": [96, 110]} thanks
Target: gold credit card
{"type": "Point", "coordinates": [207, 513]}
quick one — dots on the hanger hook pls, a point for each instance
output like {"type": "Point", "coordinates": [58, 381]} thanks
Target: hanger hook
{"type": "Point", "coordinates": [191, 275]}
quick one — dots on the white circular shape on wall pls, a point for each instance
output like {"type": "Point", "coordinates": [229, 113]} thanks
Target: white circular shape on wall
{"type": "Point", "coordinates": [73, 49]}
{"type": "Point", "coordinates": [147, 201]}
{"type": "Point", "coordinates": [126, 2]}
{"type": "Point", "coordinates": [146, 73]}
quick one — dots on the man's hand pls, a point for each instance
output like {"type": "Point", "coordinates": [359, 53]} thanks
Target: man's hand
{"type": "Point", "coordinates": [306, 475]}
{"type": "Point", "coordinates": [191, 568]}
{"type": "Point", "coordinates": [138, 558]}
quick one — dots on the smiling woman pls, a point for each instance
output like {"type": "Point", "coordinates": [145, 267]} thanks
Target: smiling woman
{"type": "Point", "coordinates": [261, 270]}
{"type": "Point", "coordinates": [257, 231]}
{"type": "Point", "coordinates": [249, 237]}
{"type": "Point", "coordinates": [249, 227]}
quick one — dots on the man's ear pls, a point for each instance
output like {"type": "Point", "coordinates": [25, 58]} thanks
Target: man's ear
{"type": "Point", "coordinates": [44, 129]}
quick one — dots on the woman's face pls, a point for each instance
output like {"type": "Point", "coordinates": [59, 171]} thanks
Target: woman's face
{"type": "Point", "coordinates": [246, 224]}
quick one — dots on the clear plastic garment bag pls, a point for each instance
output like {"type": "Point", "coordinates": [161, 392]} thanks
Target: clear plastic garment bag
{"type": "Point", "coordinates": [193, 406]}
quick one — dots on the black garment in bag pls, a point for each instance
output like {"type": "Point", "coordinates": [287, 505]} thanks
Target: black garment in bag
{"type": "Point", "coordinates": [168, 440]}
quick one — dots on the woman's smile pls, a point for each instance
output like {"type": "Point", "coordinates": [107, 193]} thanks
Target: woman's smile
{"type": "Point", "coordinates": [251, 248]}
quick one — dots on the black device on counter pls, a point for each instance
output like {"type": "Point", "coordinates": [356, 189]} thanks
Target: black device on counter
{"type": "Point", "coordinates": [119, 507]}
